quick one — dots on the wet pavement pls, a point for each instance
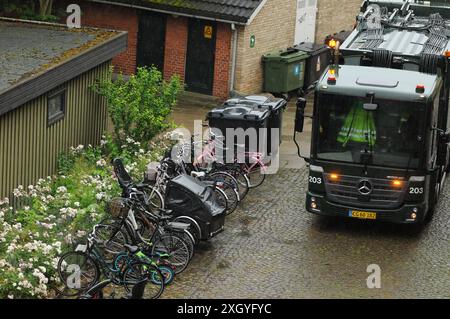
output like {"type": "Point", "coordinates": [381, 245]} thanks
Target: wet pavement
{"type": "Point", "coordinates": [273, 248]}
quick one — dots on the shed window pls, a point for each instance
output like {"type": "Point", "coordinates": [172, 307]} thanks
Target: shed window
{"type": "Point", "coordinates": [56, 106]}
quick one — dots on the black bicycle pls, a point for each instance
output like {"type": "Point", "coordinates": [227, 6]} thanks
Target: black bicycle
{"type": "Point", "coordinates": [137, 226]}
{"type": "Point", "coordinates": [81, 270]}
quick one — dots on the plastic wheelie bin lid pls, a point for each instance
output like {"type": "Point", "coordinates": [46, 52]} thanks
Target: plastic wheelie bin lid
{"type": "Point", "coordinates": [312, 48]}
{"type": "Point", "coordinates": [258, 102]}
{"type": "Point", "coordinates": [239, 112]}
{"type": "Point", "coordinates": [289, 55]}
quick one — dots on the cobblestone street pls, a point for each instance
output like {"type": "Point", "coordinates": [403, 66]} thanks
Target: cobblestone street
{"type": "Point", "coordinates": [273, 248]}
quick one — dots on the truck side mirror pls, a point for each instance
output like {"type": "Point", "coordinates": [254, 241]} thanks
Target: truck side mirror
{"type": "Point", "coordinates": [300, 115]}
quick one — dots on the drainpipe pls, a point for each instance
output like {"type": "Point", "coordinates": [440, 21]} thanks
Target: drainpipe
{"type": "Point", "coordinates": [233, 57]}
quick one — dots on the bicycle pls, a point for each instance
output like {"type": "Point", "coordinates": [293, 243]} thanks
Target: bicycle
{"type": "Point", "coordinates": [253, 166]}
{"type": "Point", "coordinates": [77, 279]}
{"type": "Point", "coordinates": [208, 160]}
{"type": "Point", "coordinates": [146, 223]}
{"type": "Point", "coordinates": [163, 238]}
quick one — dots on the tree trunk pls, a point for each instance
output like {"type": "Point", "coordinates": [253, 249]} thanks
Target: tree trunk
{"type": "Point", "coordinates": [45, 7]}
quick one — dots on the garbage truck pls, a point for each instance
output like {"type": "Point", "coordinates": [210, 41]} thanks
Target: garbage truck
{"type": "Point", "coordinates": [380, 119]}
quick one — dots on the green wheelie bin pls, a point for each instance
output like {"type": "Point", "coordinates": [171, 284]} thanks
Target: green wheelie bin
{"type": "Point", "coordinates": [284, 72]}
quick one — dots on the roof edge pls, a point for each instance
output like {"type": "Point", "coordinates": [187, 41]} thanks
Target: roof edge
{"type": "Point", "coordinates": [53, 24]}
{"type": "Point", "coordinates": [46, 80]}
{"type": "Point", "coordinates": [175, 12]}
{"type": "Point", "coordinates": [256, 12]}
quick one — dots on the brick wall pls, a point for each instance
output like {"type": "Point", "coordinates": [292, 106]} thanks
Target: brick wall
{"type": "Point", "coordinates": [334, 16]}
{"type": "Point", "coordinates": [122, 18]}
{"type": "Point", "coordinates": [118, 18]}
{"type": "Point", "coordinates": [223, 61]}
{"type": "Point", "coordinates": [273, 28]}
{"type": "Point", "coordinates": [176, 46]}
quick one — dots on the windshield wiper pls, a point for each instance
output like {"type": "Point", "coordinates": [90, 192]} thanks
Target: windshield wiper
{"type": "Point", "coordinates": [366, 156]}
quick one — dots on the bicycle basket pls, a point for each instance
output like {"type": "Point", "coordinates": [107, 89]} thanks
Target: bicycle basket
{"type": "Point", "coordinates": [117, 207]}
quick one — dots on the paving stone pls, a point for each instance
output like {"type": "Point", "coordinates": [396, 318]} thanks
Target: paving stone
{"type": "Point", "coordinates": [273, 248]}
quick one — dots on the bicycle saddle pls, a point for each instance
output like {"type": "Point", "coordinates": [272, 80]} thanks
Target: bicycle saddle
{"type": "Point", "coordinates": [132, 249]}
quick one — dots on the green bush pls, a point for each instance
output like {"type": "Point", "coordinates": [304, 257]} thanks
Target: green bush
{"type": "Point", "coordinates": [140, 106]}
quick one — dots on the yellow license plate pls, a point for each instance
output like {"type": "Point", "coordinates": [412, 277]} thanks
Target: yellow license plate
{"type": "Point", "coordinates": [362, 215]}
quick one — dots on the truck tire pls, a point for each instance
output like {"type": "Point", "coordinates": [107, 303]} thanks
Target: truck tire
{"type": "Point", "coordinates": [433, 200]}
{"type": "Point", "coordinates": [429, 216]}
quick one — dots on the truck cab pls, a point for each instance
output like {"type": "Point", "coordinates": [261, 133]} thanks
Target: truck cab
{"type": "Point", "coordinates": [380, 137]}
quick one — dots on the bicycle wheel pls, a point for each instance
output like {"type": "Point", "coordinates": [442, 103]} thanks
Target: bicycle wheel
{"type": "Point", "coordinates": [190, 236]}
{"type": "Point", "coordinates": [176, 248]}
{"type": "Point", "coordinates": [194, 229]}
{"type": "Point", "coordinates": [255, 174]}
{"type": "Point", "coordinates": [225, 177]}
{"type": "Point", "coordinates": [112, 236]}
{"type": "Point", "coordinates": [146, 228]}
{"type": "Point", "coordinates": [141, 271]}
{"type": "Point", "coordinates": [229, 185]}
{"type": "Point", "coordinates": [78, 272]}
{"type": "Point", "coordinates": [230, 196]}
{"type": "Point", "coordinates": [153, 198]}
{"type": "Point", "coordinates": [168, 274]}
{"type": "Point", "coordinates": [188, 240]}
{"type": "Point", "coordinates": [186, 237]}
{"type": "Point", "coordinates": [222, 198]}
{"type": "Point", "coordinates": [242, 180]}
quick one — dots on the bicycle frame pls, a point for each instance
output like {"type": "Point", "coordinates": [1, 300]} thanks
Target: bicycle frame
{"type": "Point", "coordinates": [111, 272]}
{"type": "Point", "coordinates": [209, 153]}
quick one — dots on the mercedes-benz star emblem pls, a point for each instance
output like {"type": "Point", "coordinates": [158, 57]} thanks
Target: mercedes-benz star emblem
{"type": "Point", "coordinates": [365, 187]}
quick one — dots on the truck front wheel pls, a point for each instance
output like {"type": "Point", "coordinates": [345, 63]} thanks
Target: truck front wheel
{"type": "Point", "coordinates": [433, 199]}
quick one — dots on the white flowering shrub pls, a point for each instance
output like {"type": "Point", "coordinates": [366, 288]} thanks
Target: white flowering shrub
{"type": "Point", "coordinates": [59, 211]}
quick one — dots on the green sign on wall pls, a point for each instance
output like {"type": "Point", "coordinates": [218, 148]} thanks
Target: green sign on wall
{"type": "Point", "coordinates": [252, 41]}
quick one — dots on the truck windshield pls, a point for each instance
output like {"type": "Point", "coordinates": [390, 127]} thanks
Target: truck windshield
{"type": "Point", "coordinates": [389, 136]}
